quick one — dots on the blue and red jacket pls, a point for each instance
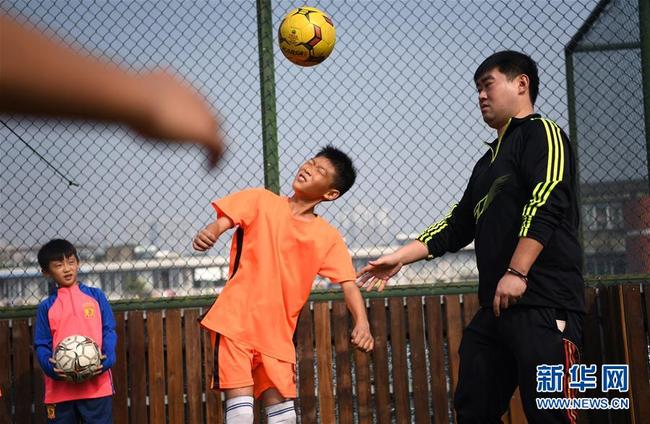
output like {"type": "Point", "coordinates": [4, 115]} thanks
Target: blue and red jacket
{"type": "Point", "coordinates": [75, 310]}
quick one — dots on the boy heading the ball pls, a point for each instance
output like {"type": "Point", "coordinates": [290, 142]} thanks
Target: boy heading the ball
{"type": "Point", "coordinates": [73, 309]}
{"type": "Point", "coordinates": [279, 247]}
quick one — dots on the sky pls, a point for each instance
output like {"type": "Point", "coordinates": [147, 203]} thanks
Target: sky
{"type": "Point", "coordinates": [396, 94]}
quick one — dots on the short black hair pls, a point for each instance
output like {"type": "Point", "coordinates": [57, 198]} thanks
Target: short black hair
{"type": "Point", "coordinates": [55, 250]}
{"type": "Point", "coordinates": [345, 172]}
{"type": "Point", "coordinates": [512, 63]}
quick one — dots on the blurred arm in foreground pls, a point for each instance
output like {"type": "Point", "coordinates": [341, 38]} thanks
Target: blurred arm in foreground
{"type": "Point", "coordinates": [42, 77]}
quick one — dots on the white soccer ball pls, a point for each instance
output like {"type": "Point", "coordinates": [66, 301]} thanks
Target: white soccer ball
{"type": "Point", "coordinates": [77, 354]}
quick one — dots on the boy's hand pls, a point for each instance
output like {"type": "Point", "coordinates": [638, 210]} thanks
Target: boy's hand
{"type": "Point", "coordinates": [64, 375]}
{"type": "Point", "coordinates": [89, 373]}
{"type": "Point", "coordinates": [60, 373]}
{"type": "Point", "coordinates": [378, 272]}
{"type": "Point", "coordinates": [92, 371]}
{"type": "Point", "coordinates": [362, 338]}
{"type": "Point", "coordinates": [98, 369]}
{"type": "Point", "coordinates": [204, 240]}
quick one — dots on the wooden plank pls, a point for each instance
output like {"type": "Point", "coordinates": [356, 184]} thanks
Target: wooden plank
{"type": "Point", "coordinates": [591, 344]}
{"type": "Point", "coordinates": [119, 372]}
{"type": "Point", "coordinates": [341, 328]}
{"type": "Point", "coordinates": [505, 419]}
{"type": "Point", "coordinates": [22, 371]}
{"type": "Point", "coordinates": [174, 367]}
{"type": "Point", "coordinates": [454, 334]}
{"type": "Point", "coordinates": [418, 359]}
{"type": "Point", "coordinates": [362, 368]}
{"type": "Point", "coordinates": [380, 360]}
{"type": "Point", "coordinates": [470, 307]}
{"type": "Point", "coordinates": [305, 355]}
{"type": "Point", "coordinates": [213, 404]}
{"type": "Point", "coordinates": [400, 367]}
{"type": "Point", "coordinates": [637, 353]}
{"type": "Point", "coordinates": [646, 295]}
{"type": "Point", "coordinates": [192, 334]}
{"type": "Point", "coordinates": [592, 353]}
{"type": "Point", "coordinates": [516, 412]}
{"type": "Point", "coordinates": [611, 320]}
{"type": "Point", "coordinates": [156, 355]}
{"type": "Point", "coordinates": [324, 361]}
{"type": "Point", "coordinates": [613, 329]}
{"type": "Point", "coordinates": [136, 365]}
{"type": "Point", "coordinates": [439, 395]}
{"type": "Point", "coordinates": [40, 413]}
{"type": "Point", "coordinates": [5, 372]}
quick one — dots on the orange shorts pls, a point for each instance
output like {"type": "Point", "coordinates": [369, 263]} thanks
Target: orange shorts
{"type": "Point", "coordinates": [238, 365]}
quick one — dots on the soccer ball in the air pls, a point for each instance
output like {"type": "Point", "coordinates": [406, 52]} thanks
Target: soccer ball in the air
{"type": "Point", "coordinates": [306, 36]}
{"type": "Point", "coordinates": [77, 356]}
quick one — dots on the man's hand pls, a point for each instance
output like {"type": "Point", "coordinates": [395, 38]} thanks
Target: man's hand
{"type": "Point", "coordinates": [378, 272]}
{"type": "Point", "coordinates": [204, 240]}
{"type": "Point", "coordinates": [361, 336]}
{"type": "Point", "coordinates": [510, 289]}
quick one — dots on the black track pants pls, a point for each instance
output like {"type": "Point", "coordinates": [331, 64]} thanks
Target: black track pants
{"type": "Point", "coordinates": [499, 354]}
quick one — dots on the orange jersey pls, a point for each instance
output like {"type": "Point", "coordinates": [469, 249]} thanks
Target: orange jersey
{"type": "Point", "coordinates": [280, 258]}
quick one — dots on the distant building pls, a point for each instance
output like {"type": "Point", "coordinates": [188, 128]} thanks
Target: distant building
{"type": "Point", "coordinates": [616, 227]}
{"type": "Point", "coordinates": [11, 256]}
{"type": "Point", "coordinates": [126, 279]}
{"type": "Point", "coordinates": [130, 272]}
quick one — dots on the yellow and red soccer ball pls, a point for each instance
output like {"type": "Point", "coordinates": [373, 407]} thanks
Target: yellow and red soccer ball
{"type": "Point", "coordinates": [306, 36]}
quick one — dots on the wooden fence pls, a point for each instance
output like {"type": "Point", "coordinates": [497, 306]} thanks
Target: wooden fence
{"type": "Point", "coordinates": [161, 368]}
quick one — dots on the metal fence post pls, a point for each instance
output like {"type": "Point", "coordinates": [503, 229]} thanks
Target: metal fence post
{"type": "Point", "coordinates": [267, 91]}
{"type": "Point", "coordinates": [644, 35]}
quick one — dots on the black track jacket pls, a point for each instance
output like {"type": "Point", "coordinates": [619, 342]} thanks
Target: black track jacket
{"type": "Point", "coordinates": [524, 186]}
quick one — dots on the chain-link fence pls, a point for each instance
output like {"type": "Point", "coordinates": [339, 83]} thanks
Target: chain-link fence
{"type": "Point", "coordinates": [607, 120]}
{"type": "Point", "coordinates": [396, 94]}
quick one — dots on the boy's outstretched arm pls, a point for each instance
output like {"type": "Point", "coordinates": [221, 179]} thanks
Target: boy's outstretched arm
{"type": "Point", "coordinates": [361, 336]}
{"type": "Point", "coordinates": [207, 237]}
{"type": "Point", "coordinates": [379, 271]}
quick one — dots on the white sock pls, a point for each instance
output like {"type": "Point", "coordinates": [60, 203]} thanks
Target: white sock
{"type": "Point", "coordinates": [281, 413]}
{"type": "Point", "coordinates": [239, 410]}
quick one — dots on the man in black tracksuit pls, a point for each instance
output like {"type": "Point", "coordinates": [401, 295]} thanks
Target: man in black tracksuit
{"type": "Point", "coordinates": [520, 208]}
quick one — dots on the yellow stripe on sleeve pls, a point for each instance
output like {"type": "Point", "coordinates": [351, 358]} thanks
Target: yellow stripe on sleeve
{"type": "Point", "coordinates": [554, 174]}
